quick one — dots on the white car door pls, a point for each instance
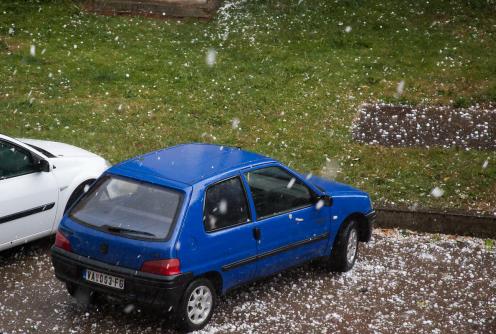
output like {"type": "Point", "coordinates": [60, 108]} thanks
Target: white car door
{"type": "Point", "coordinates": [28, 197]}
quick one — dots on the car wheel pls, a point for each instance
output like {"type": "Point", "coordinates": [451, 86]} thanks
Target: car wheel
{"type": "Point", "coordinates": [77, 193]}
{"type": "Point", "coordinates": [345, 250]}
{"type": "Point", "coordinates": [197, 305]}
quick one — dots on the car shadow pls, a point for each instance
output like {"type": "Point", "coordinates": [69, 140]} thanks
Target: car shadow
{"type": "Point", "coordinates": [114, 315]}
{"type": "Point", "coordinates": [110, 314]}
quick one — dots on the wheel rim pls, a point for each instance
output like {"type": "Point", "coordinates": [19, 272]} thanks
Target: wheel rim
{"type": "Point", "coordinates": [352, 246]}
{"type": "Point", "coordinates": [199, 304]}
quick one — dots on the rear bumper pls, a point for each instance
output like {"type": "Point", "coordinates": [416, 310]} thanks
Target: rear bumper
{"type": "Point", "coordinates": [142, 288]}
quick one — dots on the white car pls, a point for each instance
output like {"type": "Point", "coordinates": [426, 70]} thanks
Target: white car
{"type": "Point", "coordinates": [39, 180]}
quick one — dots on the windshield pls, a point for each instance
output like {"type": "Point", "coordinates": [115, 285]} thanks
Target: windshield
{"type": "Point", "coordinates": [39, 149]}
{"type": "Point", "coordinates": [124, 206]}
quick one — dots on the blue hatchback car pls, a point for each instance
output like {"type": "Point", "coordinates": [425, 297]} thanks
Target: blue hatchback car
{"type": "Point", "coordinates": [177, 227]}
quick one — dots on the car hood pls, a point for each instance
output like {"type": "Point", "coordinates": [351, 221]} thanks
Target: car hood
{"type": "Point", "coordinates": [333, 187]}
{"type": "Point", "coordinates": [58, 149]}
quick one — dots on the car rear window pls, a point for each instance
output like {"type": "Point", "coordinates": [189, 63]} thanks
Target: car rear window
{"type": "Point", "coordinates": [128, 207]}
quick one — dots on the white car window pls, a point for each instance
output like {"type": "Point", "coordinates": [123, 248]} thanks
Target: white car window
{"type": "Point", "coordinates": [14, 161]}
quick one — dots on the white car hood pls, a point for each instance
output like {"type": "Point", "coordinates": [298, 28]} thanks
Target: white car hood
{"type": "Point", "coordinates": [58, 149]}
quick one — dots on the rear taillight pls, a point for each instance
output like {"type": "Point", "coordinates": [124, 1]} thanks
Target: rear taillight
{"type": "Point", "coordinates": [162, 267]}
{"type": "Point", "coordinates": [61, 241]}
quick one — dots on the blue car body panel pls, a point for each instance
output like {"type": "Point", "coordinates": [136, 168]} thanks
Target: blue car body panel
{"type": "Point", "coordinates": [202, 252]}
{"type": "Point", "coordinates": [190, 163]}
{"type": "Point", "coordinates": [233, 253]}
{"type": "Point", "coordinates": [124, 252]}
{"type": "Point", "coordinates": [286, 229]}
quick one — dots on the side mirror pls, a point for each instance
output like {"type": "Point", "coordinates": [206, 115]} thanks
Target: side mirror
{"type": "Point", "coordinates": [326, 199]}
{"type": "Point", "coordinates": [42, 166]}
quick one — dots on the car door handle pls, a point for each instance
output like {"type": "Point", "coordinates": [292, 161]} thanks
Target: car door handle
{"type": "Point", "coordinates": [299, 219]}
{"type": "Point", "coordinates": [257, 234]}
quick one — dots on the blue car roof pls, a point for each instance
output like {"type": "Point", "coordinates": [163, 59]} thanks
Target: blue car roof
{"type": "Point", "coordinates": [188, 163]}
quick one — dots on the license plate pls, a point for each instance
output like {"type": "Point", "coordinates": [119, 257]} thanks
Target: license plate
{"type": "Point", "coordinates": [103, 279]}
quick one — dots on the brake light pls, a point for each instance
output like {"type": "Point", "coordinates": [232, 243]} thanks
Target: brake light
{"type": "Point", "coordinates": [61, 241]}
{"type": "Point", "coordinates": [162, 267]}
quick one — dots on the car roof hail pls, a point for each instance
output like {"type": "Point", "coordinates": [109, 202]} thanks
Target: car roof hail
{"type": "Point", "coordinates": [188, 164]}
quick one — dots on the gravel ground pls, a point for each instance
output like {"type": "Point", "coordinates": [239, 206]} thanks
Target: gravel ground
{"type": "Point", "coordinates": [403, 126]}
{"type": "Point", "coordinates": [403, 282]}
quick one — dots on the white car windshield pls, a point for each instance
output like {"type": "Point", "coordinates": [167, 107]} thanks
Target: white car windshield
{"type": "Point", "coordinates": [128, 207]}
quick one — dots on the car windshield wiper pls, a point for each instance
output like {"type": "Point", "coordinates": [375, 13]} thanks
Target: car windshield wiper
{"type": "Point", "coordinates": [115, 229]}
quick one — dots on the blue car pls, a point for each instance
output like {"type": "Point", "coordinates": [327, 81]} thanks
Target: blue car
{"type": "Point", "coordinates": [176, 228]}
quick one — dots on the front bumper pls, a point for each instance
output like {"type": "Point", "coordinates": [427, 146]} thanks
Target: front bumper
{"type": "Point", "coordinates": [142, 288]}
{"type": "Point", "coordinates": [366, 230]}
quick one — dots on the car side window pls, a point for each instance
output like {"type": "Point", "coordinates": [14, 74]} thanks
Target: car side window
{"type": "Point", "coordinates": [275, 191]}
{"type": "Point", "coordinates": [225, 205]}
{"type": "Point", "coordinates": [14, 160]}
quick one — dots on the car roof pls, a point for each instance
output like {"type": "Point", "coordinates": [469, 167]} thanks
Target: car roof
{"type": "Point", "coordinates": [188, 163]}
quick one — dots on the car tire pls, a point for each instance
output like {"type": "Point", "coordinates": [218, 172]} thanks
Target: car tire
{"type": "Point", "coordinates": [197, 305]}
{"type": "Point", "coordinates": [77, 193]}
{"type": "Point", "coordinates": [345, 250]}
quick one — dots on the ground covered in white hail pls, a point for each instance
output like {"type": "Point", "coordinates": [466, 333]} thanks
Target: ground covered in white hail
{"type": "Point", "coordinates": [404, 126]}
{"type": "Point", "coordinates": [403, 282]}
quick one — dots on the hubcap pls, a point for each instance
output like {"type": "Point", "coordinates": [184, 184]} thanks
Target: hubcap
{"type": "Point", "coordinates": [199, 304]}
{"type": "Point", "coordinates": [352, 246]}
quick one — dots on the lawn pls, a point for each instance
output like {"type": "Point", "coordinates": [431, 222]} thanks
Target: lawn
{"type": "Point", "coordinates": [288, 80]}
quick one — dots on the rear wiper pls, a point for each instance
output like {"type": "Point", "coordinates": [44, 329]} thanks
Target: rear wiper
{"type": "Point", "coordinates": [116, 229]}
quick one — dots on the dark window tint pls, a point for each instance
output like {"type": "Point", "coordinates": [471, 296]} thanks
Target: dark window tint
{"type": "Point", "coordinates": [128, 207]}
{"type": "Point", "coordinates": [225, 205]}
{"type": "Point", "coordinates": [276, 191]}
{"type": "Point", "coordinates": [14, 161]}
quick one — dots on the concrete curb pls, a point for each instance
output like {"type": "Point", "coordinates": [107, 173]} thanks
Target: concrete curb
{"type": "Point", "coordinates": [481, 226]}
{"type": "Point", "coordinates": [203, 9]}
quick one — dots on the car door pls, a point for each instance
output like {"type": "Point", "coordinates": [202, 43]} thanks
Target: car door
{"type": "Point", "coordinates": [290, 227]}
{"type": "Point", "coordinates": [229, 242]}
{"type": "Point", "coordinates": [28, 197]}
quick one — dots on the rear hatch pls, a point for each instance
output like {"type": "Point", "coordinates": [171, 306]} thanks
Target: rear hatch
{"type": "Point", "coordinates": [113, 249]}
{"type": "Point", "coordinates": [124, 222]}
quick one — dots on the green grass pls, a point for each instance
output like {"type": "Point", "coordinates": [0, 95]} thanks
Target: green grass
{"type": "Point", "coordinates": [290, 73]}
{"type": "Point", "coordinates": [489, 244]}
